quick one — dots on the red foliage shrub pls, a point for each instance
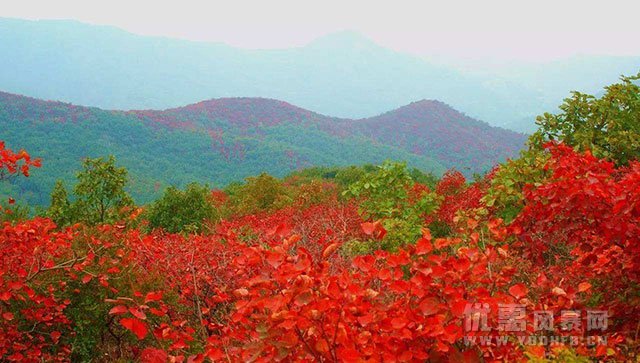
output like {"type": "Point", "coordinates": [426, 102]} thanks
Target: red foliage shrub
{"type": "Point", "coordinates": [277, 286]}
{"type": "Point", "coordinates": [15, 162]}
{"type": "Point", "coordinates": [583, 227]}
{"type": "Point", "coordinates": [457, 196]}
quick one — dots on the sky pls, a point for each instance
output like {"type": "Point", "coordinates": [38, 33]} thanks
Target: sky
{"type": "Point", "coordinates": [484, 29]}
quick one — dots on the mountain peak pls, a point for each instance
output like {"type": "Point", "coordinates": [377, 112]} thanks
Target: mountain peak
{"type": "Point", "coordinates": [426, 103]}
{"type": "Point", "coordinates": [423, 107]}
{"type": "Point", "coordinates": [239, 111]}
{"type": "Point", "coordinates": [243, 102]}
{"type": "Point", "coordinates": [248, 106]}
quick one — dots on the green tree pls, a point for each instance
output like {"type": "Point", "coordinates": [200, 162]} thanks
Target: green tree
{"type": "Point", "coordinates": [261, 193]}
{"type": "Point", "coordinates": [60, 208]}
{"type": "Point", "coordinates": [346, 176]}
{"type": "Point", "coordinates": [384, 194]}
{"type": "Point", "coordinates": [421, 177]}
{"type": "Point", "coordinates": [100, 191]}
{"type": "Point", "coordinates": [183, 210]}
{"type": "Point", "coordinates": [506, 191]}
{"type": "Point", "coordinates": [609, 126]}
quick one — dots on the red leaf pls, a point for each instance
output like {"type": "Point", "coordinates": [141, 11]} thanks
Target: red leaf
{"type": "Point", "coordinates": [275, 258]}
{"type": "Point", "coordinates": [7, 316]}
{"type": "Point", "coordinates": [398, 323]}
{"type": "Point", "coordinates": [303, 263]}
{"type": "Point", "coordinates": [536, 351]}
{"type": "Point", "coordinates": [458, 307]}
{"type": "Point", "coordinates": [348, 355]}
{"type": "Point", "coordinates": [333, 290]}
{"type": "Point", "coordinates": [157, 312]}
{"type": "Point", "coordinates": [55, 336]}
{"type": "Point", "coordinates": [374, 229]}
{"type": "Point", "coordinates": [138, 327]}
{"type": "Point", "coordinates": [178, 345]}
{"type": "Point", "coordinates": [138, 313]}
{"type": "Point", "coordinates": [558, 291]}
{"type": "Point", "coordinates": [429, 306]}
{"type": "Point", "coordinates": [497, 231]}
{"type": "Point", "coordinates": [518, 290]}
{"type": "Point", "coordinates": [241, 292]}
{"type": "Point", "coordinates": [442, 243]}
{"type": "Point", "coordinates": [153, 355]}
{"type": "Point", "coordinates": [601, 350]}
{"type": "Point", "coordinates": [153, 296]}
{"type": "Point", "coordinates": [426, 233]}
{"type": "Point", "coordinates": [368, 228]}
{"type": "Point", "coordinates": [120, 309]}
{"type": "Point", "coordinates": [423, 246]}
{"type": "Point", "coordinates": [322, 346]}
{"type": "Point", "coordinates": [214, 354]}
{"type": "Point", "coordinates": [381, 232]}
{"type": "Point", "coordinates": [15, 285]}
{"type": "Point", "coordinates": [330, 249]}
{"type": "Point", "coordinates": [282, 230]}
{"type": "Point", "coordinates": [583, 286]}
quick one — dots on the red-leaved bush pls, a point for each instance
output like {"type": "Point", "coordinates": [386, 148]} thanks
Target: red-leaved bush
{"type": "Point", "coordinates": [279, 286]}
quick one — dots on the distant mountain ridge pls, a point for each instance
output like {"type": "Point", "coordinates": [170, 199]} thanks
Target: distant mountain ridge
{"type": "Point", "coordinates": [427, 127]}
{"type": "Point", "coordinates": [223, 140]}
{"type": "Point", "coordinates": [433, 128]}
{"type": "Point", "coordinates": [343, 74]}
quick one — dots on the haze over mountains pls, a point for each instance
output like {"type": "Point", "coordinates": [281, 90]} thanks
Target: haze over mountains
{"type": "Point", "coordinates": [342, 74]}
{"type": "Point", "coordinates": [223, 140]}
{"type": "Point", "coordinates": [342, 85]}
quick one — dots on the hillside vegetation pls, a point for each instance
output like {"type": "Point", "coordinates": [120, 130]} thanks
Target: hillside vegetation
{"type": "Point", "coordinates": [225, 140]}
{"type": "Point", "coordinates": [375, 263]}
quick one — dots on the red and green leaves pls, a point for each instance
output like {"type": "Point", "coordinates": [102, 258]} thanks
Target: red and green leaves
{"type": "Point", "coordinates": [284, 285]}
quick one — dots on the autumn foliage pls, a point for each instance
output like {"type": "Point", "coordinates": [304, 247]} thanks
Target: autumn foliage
{"type": "Point", "coordinates": [282, 284]}
{"type": "Point", "coordinates": [12, 162]}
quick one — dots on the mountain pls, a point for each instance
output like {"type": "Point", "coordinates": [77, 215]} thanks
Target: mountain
{"type": "Point", "coordinates": [342, 74]}
{"type": "Point", "coordinates": [223, 140]}
{"type": "Point", "coordinates": [432, 128]}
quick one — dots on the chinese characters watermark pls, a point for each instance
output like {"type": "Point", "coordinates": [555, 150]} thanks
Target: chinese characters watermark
{"type": "Point", "coordinates": [514, 318]}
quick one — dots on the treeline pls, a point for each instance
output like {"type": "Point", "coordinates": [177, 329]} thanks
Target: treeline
{"type": "Point", "coordinates": [100, 195]}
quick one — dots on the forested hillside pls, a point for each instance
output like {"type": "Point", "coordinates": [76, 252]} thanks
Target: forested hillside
{"type": "Point", "coordinates": [226, 140]}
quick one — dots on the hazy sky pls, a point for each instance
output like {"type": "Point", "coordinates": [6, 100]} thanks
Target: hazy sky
{"type": "Point", "coordinates": [510, 29]}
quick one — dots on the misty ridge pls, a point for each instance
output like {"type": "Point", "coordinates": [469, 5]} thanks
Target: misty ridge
{"type": "Point", "coordinates": [343, 74]}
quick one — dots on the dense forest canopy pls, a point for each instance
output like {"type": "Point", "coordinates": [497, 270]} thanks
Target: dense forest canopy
{"type": "Point", "coordinates": [220, 141]}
